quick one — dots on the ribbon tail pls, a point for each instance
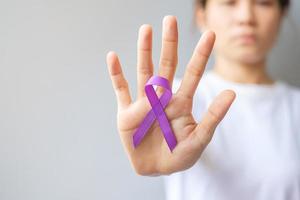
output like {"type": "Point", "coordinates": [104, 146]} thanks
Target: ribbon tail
{"type": "Point", "coordinates": [143, 128]}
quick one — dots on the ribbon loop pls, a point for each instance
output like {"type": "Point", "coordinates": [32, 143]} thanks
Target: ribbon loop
{"type": "Point", "coordinates": [157, 112]}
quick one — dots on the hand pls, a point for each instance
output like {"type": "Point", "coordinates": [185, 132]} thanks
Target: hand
{"type": "Point", "coordinates": [153, 157]}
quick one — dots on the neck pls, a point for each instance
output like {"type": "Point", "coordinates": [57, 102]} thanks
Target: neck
{"type": "Point", "coordinates": [255, 73]}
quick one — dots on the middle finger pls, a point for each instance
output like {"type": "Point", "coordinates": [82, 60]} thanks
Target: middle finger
{"type": "Point", "coordinates": [169, 57]}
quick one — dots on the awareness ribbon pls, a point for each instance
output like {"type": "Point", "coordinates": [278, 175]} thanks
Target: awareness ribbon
{"type": "Point", "coordinates": [157, 112]}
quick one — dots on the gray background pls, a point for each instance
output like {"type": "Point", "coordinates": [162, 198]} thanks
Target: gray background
{"type": "Point", "coordinates": [58, 137]}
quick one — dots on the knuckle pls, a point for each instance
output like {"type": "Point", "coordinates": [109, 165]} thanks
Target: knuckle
{"type": "Point", "coordinates": [143, 69]}
{"type": "Point", "coordinates": [194, 70]}
{"type": "Point", "coordinates": [213, 115]}
{"type": "Point", "coordinates": [121, 86]}
{"type": "Point", "coordinates": [201, 141]}
{"type": "Point", "coordinates": [168, 63]}
{"type": "Point", "coordinates": [202, 53]}
{"type": "Point", "coordinates": [170, 40]}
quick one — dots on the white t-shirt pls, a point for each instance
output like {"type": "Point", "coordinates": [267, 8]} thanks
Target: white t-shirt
{"type": "Point", "coordinates": [255, 151]}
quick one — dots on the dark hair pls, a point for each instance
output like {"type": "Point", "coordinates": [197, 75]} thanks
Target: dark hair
{"type": "Point", "coordinates": [284, 4]}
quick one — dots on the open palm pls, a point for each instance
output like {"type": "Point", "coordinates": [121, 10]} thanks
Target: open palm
{"type": "Point", "coordinates": [153, 157]}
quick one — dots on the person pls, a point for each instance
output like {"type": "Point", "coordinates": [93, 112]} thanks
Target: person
{"type": "Point", "coordinates": [254, 153]}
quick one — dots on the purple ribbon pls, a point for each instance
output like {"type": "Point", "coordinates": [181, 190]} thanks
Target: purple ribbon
{"type": "Point", "coordinates": [157, 112]}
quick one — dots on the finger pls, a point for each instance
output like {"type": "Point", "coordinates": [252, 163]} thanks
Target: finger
{"type": "Point", "coordinates": [196, 65]}
{"type": "Point", "coordinates": [169, 58]}
{"type": "Point", "coordinates": [216, 112]}
{"type": "Point", "coordinates": [118, 80]}
{"type": "Point", "coordinates": [144, 58]}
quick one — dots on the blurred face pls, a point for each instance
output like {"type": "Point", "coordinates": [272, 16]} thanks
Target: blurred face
{"type": "Point", "coordinates": [245, 29]}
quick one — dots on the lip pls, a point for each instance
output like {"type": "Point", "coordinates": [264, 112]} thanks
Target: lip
{"type": "Point", "coordinates": [246, 38]}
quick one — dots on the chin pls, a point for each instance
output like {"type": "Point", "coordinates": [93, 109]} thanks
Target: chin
{"type": "Point", "coordinates": [249, 56]}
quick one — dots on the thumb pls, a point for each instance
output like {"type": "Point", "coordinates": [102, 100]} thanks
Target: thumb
{"type": "Point", "coordinates": [215, 113]}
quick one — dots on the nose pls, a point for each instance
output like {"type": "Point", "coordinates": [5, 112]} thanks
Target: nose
{"type": "Point", "coordinates": [245, 14]}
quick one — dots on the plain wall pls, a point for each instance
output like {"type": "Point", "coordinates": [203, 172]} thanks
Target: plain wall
{"type": "Point", "coordinates": [58, 136]}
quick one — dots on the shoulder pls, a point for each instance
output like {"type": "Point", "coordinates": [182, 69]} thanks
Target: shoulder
{"type": "Point", "coordinates": [292, 92]}
{"type": "Point", "coordinates": [291, 96]}
{"type": "Point", "coordinates": [295, 92]}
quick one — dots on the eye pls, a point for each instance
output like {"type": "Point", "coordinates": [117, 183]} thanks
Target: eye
{"type": "Point", "coordinates": [228, 2]}
{"type": "Point", "coordinates": [265, 2]}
